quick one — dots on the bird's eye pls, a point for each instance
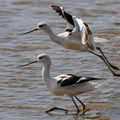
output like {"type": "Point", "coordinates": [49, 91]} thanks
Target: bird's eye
{"type": "Point", "coordinates": [40, 58]}
{"type": "Point", "coordinates": [40, 25]}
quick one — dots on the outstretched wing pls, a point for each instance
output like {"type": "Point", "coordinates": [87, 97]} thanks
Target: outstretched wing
{"type": "Point", "coordinates": [65, 15]}
{"type": "Point", "coordinates": [73, 79]}
{"type": "Point", "coordinates": [85, 32]}
{"type": "Point", "coordinates": [84, 29]}
{"type": "Point", "coordinates": [75, 24]}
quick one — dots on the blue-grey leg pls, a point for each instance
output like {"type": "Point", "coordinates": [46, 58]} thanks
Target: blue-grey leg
{"type": "Point", "coordinates": [83, 105]}
{"type": "Point", "coordinates": [114, 67]}
{"type": "Point", "coordinates": [78, 110]}
{"type": "Point", "coordinates": [115, 74]}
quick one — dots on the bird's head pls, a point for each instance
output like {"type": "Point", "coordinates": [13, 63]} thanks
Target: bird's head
{"type": "Point", "coordinates": [43, 58]}
{"type": "Point", "coordinates": [40, 26]}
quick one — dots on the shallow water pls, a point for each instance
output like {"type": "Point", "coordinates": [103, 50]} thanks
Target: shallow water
{"type": "Point", "coordinates": [22, 91]}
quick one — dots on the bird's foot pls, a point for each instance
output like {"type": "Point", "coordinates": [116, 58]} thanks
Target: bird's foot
{"type": "Point", "coordinates": [114, 67]}
{"type": "Point", "coordinates": [56, 108]}
{"type": "Point", "coordinates": [115, 74]}
{"type": "Point", "coordinates": [78, 111]}
{"type": "Point", "coordinates": [83, 111]}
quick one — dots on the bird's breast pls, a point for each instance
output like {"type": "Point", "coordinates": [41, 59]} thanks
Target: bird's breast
{"type": "Point", "coordinates": [75, 45]}
{"type": "Point", "coordinates": [72, 42]}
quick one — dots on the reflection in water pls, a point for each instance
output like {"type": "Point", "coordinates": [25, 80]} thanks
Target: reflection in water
{"type": "Point", "coordinates": [22, 91]}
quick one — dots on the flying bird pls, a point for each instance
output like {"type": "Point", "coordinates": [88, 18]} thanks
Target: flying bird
{"type": "Point", "coordinates": [77, 36]}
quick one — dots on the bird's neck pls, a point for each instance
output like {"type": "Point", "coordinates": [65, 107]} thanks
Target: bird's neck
{"type": "Point", "coordinates": [46, 75]}
{"type": "Point", "coordinates": [52, 35]}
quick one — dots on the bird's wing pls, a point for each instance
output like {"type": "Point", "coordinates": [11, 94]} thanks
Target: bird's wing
{"type": "Point", "coordinates": [85, 32]}
{"type": "Point", "coordinates": [83, 28]}
{"type": "Point", "coordinates": [73, 79]}
{"type": "Point", "coordinates": [65, 15]}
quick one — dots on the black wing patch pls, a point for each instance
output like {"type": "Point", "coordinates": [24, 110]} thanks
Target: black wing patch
{"type": "Point", "coordinates": [64, 15]}
{"type": "Point", "coordinates": [73, 79]}
{"type": "Point", "coordinates": [68, 81]}
{"type": "Point", "coordinates": [86, 79]}
{"type": "Point", "coordinates": [88, 29]}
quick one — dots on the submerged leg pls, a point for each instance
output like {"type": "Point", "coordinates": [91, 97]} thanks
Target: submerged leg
{"type": "Point", "coordinates": [56, 108]}
{"type": "Point", "coordinates": [115, 74]}
{"type": "Point", "coordinates": [78, 110]}
{"type": "Point", "coordinates": [114, 67]}
{"type": "Point", "coordinates": [83, 105]}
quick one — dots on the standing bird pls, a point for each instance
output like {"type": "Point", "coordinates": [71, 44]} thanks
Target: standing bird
{"type": "Point", "coordinates": [65, 84]}
{"type": "Point", "coordinates": [77, 36]}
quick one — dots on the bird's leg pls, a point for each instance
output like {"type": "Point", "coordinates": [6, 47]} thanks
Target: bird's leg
{"type": "Point", "coordinates": [115, 74]}
{"type": "Point", "coordinates": [83, 105]}
{"type": "Point", "coordinates": [78, 110]}
{"type": "Point", "coordinates": [114, 67]}
{"type": "Point", "coordinates": [56, 108]}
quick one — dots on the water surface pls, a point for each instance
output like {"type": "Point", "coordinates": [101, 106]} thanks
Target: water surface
{"type": "Point", "coordinates": [22, 91]}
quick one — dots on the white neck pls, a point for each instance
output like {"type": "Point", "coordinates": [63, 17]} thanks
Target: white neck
{"type": "Point", "coordinates": [52, 35]}
{"type": "Point", "coordinates": [46, 74]}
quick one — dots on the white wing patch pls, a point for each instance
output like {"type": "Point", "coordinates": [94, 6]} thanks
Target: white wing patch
{"type": "Point", "coordinates": [83, 29]}
{"type": "Point", "coordinates": [70, 79]}
{"type": "Point", "coordinates": [62, 77]}
{"type": "Point", "coordinates": [82, 78]}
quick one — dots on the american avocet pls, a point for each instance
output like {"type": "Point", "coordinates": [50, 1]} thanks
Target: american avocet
{"type": "Point", "coordinates": [77, 36]}
{"type": "Point", "coordinates": [65, 84]}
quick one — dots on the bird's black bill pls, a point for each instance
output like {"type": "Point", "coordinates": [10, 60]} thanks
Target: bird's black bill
{"type": "Point", "coordinates": [29, 32]}
{"type": "Point", "coordinates": [28, 63]}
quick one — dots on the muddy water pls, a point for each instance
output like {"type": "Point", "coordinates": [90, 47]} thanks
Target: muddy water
{"type": "Point", "coordinates": [23, 94]}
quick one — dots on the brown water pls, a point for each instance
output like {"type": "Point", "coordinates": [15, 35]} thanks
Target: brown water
{"type": "Point", "coordinates": [23, 95]}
